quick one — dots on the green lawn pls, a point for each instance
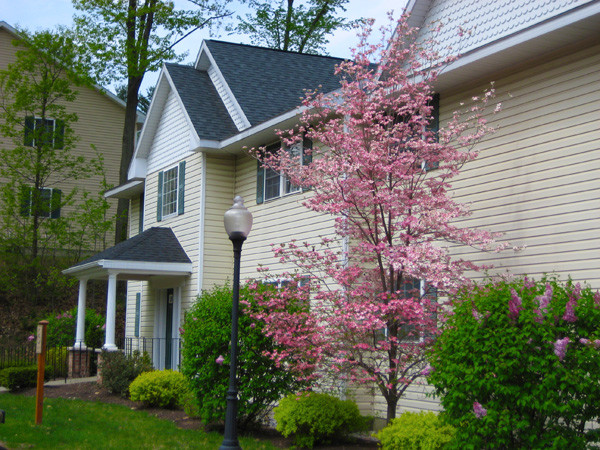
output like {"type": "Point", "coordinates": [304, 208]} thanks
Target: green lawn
{"type": "Point", "coordinates": [77, 424]}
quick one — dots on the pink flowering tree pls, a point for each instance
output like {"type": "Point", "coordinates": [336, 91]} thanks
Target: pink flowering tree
{"type": "Point", "coordinates": [517, 362]}
{"type": "Point", "coordinates": [382, 169]}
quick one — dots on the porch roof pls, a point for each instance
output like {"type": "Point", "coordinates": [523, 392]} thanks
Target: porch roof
{"type": "Point", "coordinates": [154, 252]}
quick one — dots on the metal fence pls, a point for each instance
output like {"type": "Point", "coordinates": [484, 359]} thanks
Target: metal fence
{"type": "Point", "coordinates": [57, 360]}
{"type": "Point", "coordinates": [165, 353]}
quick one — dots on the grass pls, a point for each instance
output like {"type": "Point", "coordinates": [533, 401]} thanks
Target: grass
{"type": "Point", "coordinates": [77, 424]}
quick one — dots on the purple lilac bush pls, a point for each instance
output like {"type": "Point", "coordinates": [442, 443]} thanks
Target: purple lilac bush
{"type": "Point", "coordinates": [517, 365]}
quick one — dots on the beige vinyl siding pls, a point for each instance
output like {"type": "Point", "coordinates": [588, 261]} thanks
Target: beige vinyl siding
{"type": "Point", "coordinates": [218, 254]}
{"type": "Point", "coordinates": [100, 125]}
{"type": "Point", "coordinates": [275, 221]}
{"type": "Point", "coordinates": [170, 147]}
{"type": "Point", "coordinates": [536, 178]}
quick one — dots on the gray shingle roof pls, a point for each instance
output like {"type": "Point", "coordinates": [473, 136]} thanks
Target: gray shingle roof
{"type": "Point", "coordinates": [153, 245]}
{"type": "Point", "coordinates": [202, 102]}
{"type": "Point", "coordinates": [267, 82]}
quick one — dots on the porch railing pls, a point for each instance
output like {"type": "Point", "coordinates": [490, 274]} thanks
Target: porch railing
{"type": "Point", "coordinates": [165, 353]}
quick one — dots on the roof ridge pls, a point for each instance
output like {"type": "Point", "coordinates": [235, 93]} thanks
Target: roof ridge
{"type": "Point", "coordinates": [275, 49]}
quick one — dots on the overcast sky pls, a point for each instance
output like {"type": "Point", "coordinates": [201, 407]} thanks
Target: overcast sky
{"type": "Point", "coordinates": [43, 14]}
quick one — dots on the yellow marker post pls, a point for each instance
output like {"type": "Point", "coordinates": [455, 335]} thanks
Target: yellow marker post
{"type": "Point", "coordinates": [40, 349]}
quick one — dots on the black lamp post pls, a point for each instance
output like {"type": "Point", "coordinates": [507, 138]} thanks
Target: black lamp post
{"type": "Point", "coordinates": [238, 223]}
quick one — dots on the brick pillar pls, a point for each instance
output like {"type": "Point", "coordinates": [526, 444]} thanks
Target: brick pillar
{"type": "Point", "coordinates": [79, 362]}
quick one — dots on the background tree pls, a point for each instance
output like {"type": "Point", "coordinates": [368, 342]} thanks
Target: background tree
{"type": "Point", "coordinates": [37, 158]}
{"type": "Point", "coordinates": [383, 172]}
{"type": "Point", "coordinates": [125, 39]}
{"type": "Point", "coordinates": [302, 27]}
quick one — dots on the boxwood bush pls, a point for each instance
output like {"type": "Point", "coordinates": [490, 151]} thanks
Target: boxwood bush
{"type": "Point", "coordinates": [205, 356]}
{"type": "Point", "coordinates": [160, 388]}
{"type": "Point", "coordinates": [418, 431]}
{"type": "Point", "coordinates": [317, 418]}
{"type": "Point", "coordinates": [517, 364]}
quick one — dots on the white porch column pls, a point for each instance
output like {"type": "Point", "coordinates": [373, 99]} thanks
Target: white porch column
{"type": "Point", "coordinates": [80, 334]}
{"type": "Point", "coordinates": [111, 312]}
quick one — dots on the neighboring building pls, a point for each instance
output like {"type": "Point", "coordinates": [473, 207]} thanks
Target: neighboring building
{"type": "Point", "coordinates": [101, 116]}
{"type": "Point", "coordinates": [536, 178]}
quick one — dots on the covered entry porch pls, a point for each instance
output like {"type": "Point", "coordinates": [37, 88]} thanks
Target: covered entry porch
{"type": "Point", "coordinates": [154, 256]}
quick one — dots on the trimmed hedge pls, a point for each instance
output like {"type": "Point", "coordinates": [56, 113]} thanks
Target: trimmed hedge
{"type": "Point", "coordinates": [317, 418]}
{"type": "Point", "coordinates": [160, 388]}
{"type": "Point", "coordinates": [418, 431]}
{"type": "Point", "coordinates": [15, 378]}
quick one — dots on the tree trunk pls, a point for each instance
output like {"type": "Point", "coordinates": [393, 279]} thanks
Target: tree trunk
{"type": "Point", "coordinates": [128, 145]}
{"type": "Point", "coordinates": [392, 404]}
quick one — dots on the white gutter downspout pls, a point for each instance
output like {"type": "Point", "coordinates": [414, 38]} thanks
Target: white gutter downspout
{"type": "Point", "coordinates": [203, 185]}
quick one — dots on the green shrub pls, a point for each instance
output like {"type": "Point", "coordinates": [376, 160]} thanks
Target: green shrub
{"type": "Point", "coordinates": [15, 378]}
{"type": "Point", "coordinates": [160, 388]}
{"type": "Point", "coordinates": [317, 418]}
{"type": "Point", "coordinates": [119, 370]}
{"type": "Point", "coordinates": [418, 431]}
{"type": "Point", "coordinates": [61, 329]}
{"type": "Point", "coordinates": [517, 365]}
{"type": "Point", "coordinates": [205, 358]}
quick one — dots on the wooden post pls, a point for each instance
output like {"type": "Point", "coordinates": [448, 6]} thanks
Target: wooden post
{"type": "Point", "coordinates": [40, 349]}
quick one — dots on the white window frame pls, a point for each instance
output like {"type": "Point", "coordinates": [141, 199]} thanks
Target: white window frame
{"type": "Point", "coordinates": [285, 186]}
{"type": "Point", "coordinates": [38, 121]}
{"type": "Point", "coordinates": [47, 212]}
{"type": "Point", "coordinates": [175, 193]}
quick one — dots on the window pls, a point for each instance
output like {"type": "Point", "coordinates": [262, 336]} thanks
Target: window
{"type": "Point", "coordinates": [270, 183]}
{"type": "Point", "coordinates": [171, 192]}
{"type": "Point", "coordinates": [44, 201]}
{"type": "Point", "coordinates": [427, 294]}
{"type": "Point", "coordinates": [39, 132]}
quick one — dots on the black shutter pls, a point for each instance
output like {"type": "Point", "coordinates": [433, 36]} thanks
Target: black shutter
{"type": "Point", "coordinates": [434, 126]}
{"type": "Point", "coordinates": [29, 130]}
{"type": "Point", "coordinates": [159, 197]}
{"type": "Point", "coordinates": [55, 203]}
{"type": "Point", "coordinates": [141, 215]}
{"type": "Point", "coordinates": [59, 134]}
{"type": "Point", "coordinates": [260, 183]}
{"type": "Point", "coordinates": [25, 201]}
{"type": "Point", "coordinates": [181, 190]}
{"type": "Point", "coordinates": [306, 158]}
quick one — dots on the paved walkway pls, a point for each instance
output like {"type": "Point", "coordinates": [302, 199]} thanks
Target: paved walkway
{"type": "Point", "coordinates": [60, 382]}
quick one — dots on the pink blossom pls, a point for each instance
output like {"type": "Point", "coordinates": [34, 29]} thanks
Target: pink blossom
{"type": "Point", "coordinates": [31, 338]}
{"type": "Point", "coordinates": [528, 283]}
{"type": "Point", "coordinates": [597, 343]}
{"type": "Point", "coordinates": [428, 370]}
{"type": "Point", "coordinates": [220, 360]}
{"type": "Point", "coordinates": [181, 330]}
{"type": "Point", "coordinates": [514, 304]}
{"type": "Point", "coordinates": [104, 326]}
{"type": "Point", "coordinates": [560, 348]}
{"type": "Point", "coordinates": [479, 410]}
{"type": "Point", "coordinates": [584, 341]}
{"type": "Point", "coordinates": [476, 314]}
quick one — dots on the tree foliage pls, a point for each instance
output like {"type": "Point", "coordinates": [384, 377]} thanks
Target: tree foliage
{"type": "Point", "coordinates": [205, 354]}
{"type": "Point", "coordinates": [381, 170]}
{"type": "Point", "coordinates": [516, 365]}
{"type": "Point", "coordinates": [37, 157]}
{"type": "Point", "coordinates": [302, 27]}
{"type": "Point", "coordinates": [125, 39]}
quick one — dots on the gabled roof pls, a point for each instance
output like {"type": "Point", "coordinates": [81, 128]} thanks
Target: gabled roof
{"type": "Point", "coordinates": [202, 102]}
{"type": "Point", "coordinates": [266, 82]}
{"type": "Point", "coordinates": [156, 244]}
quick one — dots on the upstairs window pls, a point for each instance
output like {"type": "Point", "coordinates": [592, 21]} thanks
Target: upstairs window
{"type": "Point", "coordinates": [270, 183]}
{"type": "Point", "coordinates": [171, 192]}
{"type": "Point", "coordinates": [46, 201]}
{"type": "Point", "coordinates": [40, 132]}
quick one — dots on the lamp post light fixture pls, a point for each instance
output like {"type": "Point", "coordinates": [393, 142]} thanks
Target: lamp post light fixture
{"type": "Point", "coordinates": [238, 223]}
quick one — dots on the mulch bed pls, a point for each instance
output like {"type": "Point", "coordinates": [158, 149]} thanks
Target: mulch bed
{"type": "Point", "coordinates": [91, 391]}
